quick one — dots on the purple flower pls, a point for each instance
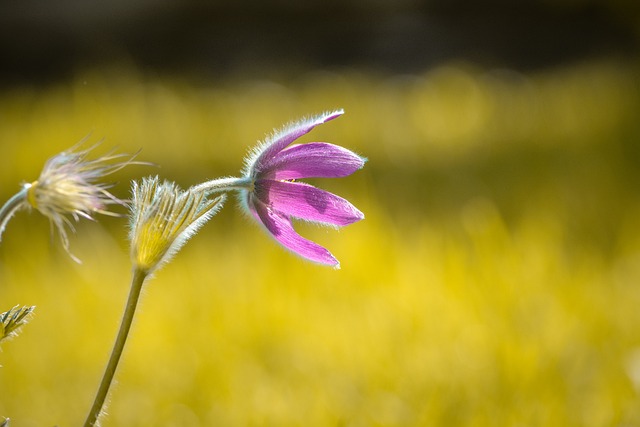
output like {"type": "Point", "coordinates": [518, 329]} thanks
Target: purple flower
{"type": "Point", "coordinates": [275, 197]}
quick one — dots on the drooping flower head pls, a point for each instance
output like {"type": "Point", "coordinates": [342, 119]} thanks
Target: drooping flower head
{"type": "Point", "coordinates": [69, 187]}
{"type": "Point", "coordinates": [163, 217]}
{"type": "Point", "coordinates": [274, 197]}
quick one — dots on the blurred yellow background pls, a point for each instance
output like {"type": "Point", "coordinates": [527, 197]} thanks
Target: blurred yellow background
{"type": "Point", "coordinates": [494, 282]}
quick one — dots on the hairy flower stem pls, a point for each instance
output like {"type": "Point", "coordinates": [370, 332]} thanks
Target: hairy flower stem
{"type": "Point", "coordinates": [11, 207]}
{"type": "Point", "coordinates": [137, 281]}
{"type": "Point", "coordinates": [225, 184]}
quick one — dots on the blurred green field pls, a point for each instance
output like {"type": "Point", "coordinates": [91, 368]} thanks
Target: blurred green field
{"type": "Point", "coordinates": [494, 281]}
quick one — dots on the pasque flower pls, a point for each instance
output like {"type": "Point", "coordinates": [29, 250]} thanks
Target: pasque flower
{"type": "Point", "coordinates": [68, 188]}
{"type": "Point", "coordinates": [11, 321]}
{"type": "Point", "coordinates": [270, 193]}
{"type": "Point", "coordinates": [163, 217]}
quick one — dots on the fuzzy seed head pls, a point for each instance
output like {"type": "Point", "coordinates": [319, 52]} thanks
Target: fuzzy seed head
{"type": "Point", "coordinates": [69, 187]}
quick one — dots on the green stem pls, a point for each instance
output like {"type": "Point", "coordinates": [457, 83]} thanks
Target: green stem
{"type": "Point", "coordinates": [11, 207]}
{"type": "Point", "coordinates": [225, 184]}
{"type": "Point", "coordinates": [127, 318]}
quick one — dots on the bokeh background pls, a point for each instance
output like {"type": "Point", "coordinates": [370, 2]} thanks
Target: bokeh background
{"type": "Point", "coordinates": [494, 282]}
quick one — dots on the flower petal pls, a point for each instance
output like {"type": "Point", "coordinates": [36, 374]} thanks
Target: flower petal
{"type": "Point", "coordinates": [277, 142]}
{"type": "Point", "coordinates": [313, 160]}
{"type": "Point", "coordinates": [281, 229]}
{"type": "Point", "coordinates": [307, 202]}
